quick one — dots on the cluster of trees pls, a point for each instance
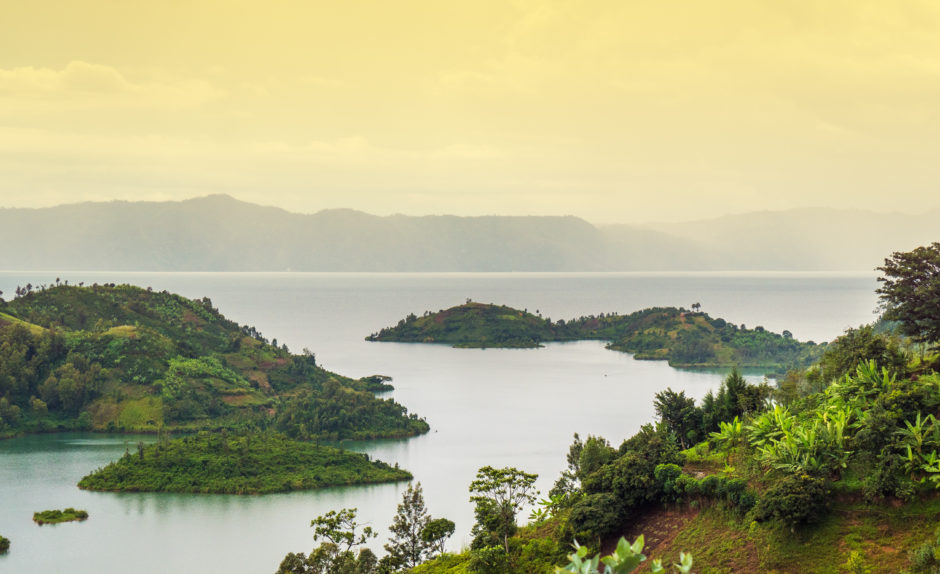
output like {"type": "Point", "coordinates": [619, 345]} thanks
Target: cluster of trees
{"type": "Point", "coordinates": [692, 424]}
{"type": "Point", "coordinates": [336, 411]}
{"type": "Point", "coordinates": [237, 463]}
{"type": "Point", "coordinates": [415, 536]}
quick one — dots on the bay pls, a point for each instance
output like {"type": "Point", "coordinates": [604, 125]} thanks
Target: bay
{"type": "Point", "coordinates": [496, 407]}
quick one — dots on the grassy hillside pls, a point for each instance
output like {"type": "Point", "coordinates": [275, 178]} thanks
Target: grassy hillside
{"type": "Point", "coordinates": [681, 337]}
{"type": "Point", "coordinates": [123, 358]}
{"type": "Point", "coordinates": [843, 479]}
{"type": "Point", "coordinates": [254, 463]}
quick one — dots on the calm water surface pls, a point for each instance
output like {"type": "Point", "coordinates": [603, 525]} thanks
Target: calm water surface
{"type": "Point", "coordinates": [496, 407]}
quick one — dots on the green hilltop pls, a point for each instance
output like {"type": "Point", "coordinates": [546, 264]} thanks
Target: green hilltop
{"type": "Point", "coordinates": [683, 338]}
{"type": "Point", "coordinates": [123, 358]}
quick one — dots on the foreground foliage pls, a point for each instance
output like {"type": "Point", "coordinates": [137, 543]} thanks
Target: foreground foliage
{"type": "Point", "coordinates": [250, 463]}
{"type": "Point", "coordinates": [624, 559]}
{"type": "Point", "coordinates": [57, 516]}
{"type": "Point", "coordinates": [4, 544]}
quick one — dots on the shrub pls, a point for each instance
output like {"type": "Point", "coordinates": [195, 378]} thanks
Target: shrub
{"type": "Point", "coordinates": [795, 500]}
{"type": "Point", "coordinates": [595, 515]}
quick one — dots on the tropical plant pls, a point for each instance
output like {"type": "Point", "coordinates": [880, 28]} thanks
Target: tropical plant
{"type": "Point", "coordinates": [625, 558]}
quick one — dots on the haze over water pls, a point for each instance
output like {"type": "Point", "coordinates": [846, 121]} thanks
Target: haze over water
{"type": "Point", "coordinates": [496, 407]}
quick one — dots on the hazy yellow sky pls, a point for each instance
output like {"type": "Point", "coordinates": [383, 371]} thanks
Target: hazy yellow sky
{"type": "Point", "coordinates": [616, 111]}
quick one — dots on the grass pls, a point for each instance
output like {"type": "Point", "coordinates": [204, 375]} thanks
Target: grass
{"type": "Point", "coordinates": [883, 535]}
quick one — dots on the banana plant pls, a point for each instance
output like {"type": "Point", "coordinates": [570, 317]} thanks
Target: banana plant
{"type": "Point", "coordinates": [918, 434]}
{"type": "Point", "coordinates": [684, 566]}
{"type": "Point", "coordinates": [624, 559]}
{"type": "Point", "coordinates": [729, 434]}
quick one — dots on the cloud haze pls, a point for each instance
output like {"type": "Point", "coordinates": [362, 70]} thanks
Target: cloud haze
{"type": "Point", "coordinates": [615, 111]}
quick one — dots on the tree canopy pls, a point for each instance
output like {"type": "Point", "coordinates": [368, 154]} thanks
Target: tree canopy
{"type": "Point", "coordinates": [910, 291]}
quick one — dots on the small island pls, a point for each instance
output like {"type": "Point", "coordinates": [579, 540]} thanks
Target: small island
{"type": "Point", "coordinates": [251, 463]}
{"type": "Point", "coordinates": [57, 516]}
{"type": "Point", "coordinates": [4, 544]}
{"type": "Point", "coordinates": [682, 337]}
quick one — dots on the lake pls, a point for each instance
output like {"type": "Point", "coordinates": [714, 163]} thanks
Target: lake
{"type": "Point", "coordinates": [496, 407]}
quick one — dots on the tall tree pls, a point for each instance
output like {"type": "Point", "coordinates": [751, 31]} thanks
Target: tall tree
{"type": "Point", "coordinates": [406, 546]}
{"type": "Point", "coordinates": [679, 413]}
{"type": "Point", "coordinates": [911, 292]}
{"type": "Point", "coordinates": [436, 533]}
{"type": "Point", "coordinates": [499, 494]}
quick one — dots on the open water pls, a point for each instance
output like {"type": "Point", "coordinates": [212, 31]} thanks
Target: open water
{"type": "Point", "coordinates": [494, 407]}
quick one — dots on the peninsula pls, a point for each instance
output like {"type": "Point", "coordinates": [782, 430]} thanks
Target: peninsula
{"type": "Point", "coordinates": [122, 358]}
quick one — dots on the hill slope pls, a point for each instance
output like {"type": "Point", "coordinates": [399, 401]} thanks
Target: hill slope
{"type": "Point", "coordinates": [118, 357]}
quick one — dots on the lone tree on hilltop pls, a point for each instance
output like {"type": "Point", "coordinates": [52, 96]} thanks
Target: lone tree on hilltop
{"type": "Point", "coordinates": [910, 293]}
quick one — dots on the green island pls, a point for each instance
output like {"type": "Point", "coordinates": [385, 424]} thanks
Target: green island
{"type": "Point", "coordinates": [4, 544]}
{"type": "Point", "coordinates": [57, 516]}
{"type": "Point", "coordinates": [121, 358]}
{"type": "Point", "coordinates": [683, 338]}
{"type": "Point", "coordinates": [247, 463]}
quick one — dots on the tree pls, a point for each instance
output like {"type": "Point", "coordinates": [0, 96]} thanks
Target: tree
{"type": "Point", "coordinates": [334, 556]}
{"type": "Point", "coordinates": [499, 494]}
{"type": "Point", "coordinates": [407, 547]}
{"type": "Point", "coordinates": [679, 413]}
{"type": "Point", "coordinates": [910, 292]}
{"type": "Point", "coordinates": [340, 529]}
{"type": "Point", "coordinates": [436, 533]}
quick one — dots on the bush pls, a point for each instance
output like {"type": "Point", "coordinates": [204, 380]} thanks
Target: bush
{"type": "Point", "coordinates": [795, 500]}
{"type": "Point", "coordinates": [666, 476]}
{"type": "Point", "coordinates": [489, 560]}
{"type": "Point", "coordinates": [595, 515]}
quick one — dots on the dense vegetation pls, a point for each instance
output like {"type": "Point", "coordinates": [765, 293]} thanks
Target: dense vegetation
{"type": "Point", "coordinates": [249, 463]}
{"type": "Point", "coordinates": [684, 338]}
{"type": "Point", "coordinates": [57, 516]}
{"type": "Point", "coordinates": [4, 544]}
{"type": "Point", "coordinates": [123, 358]}
{"type": "Point", "coordinates": [837, 469]}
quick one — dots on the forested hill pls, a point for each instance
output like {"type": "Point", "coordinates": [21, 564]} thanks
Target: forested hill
{"type": "Point", "coordinates": [219, 233]}
{"type": "Point", "coordinates": [682, 337]}
{"type": "Point", "coordinates": [119, 357]}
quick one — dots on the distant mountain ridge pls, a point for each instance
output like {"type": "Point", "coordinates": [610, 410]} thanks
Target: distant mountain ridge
{"type": "Point", "coordinates": [220, 233]}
